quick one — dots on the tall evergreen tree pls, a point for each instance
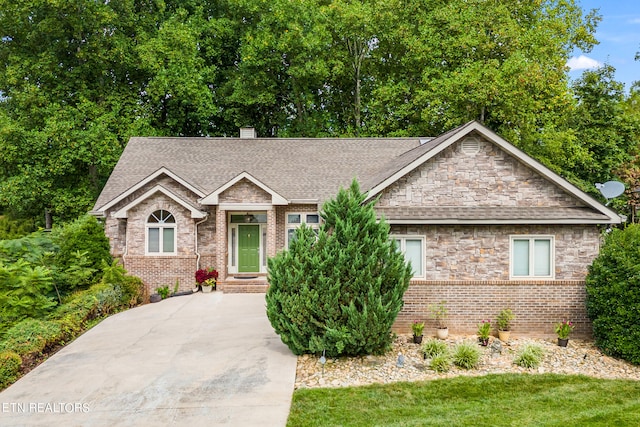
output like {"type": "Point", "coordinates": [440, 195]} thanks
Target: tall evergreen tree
{"type": "Point", "coordinates": [341, 290]}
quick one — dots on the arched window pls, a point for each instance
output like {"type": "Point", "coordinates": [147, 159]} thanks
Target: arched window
{"type": "Point", "coordinates": [161, 233]}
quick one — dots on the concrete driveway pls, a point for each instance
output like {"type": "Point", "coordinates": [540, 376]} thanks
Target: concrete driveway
{"type": "Point", "coordinates": [196, 360]}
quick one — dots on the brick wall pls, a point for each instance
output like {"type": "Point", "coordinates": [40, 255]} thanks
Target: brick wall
{"type": "Point", "coordinates": [163, 270]}
{"type": "Point", "coordinates": [244, 191]}
{"type": "Point", "coordinates": [538, 305]}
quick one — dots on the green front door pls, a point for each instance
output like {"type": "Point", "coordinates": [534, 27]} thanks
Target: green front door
{"type": "Point", "coordinates": [248, 248]}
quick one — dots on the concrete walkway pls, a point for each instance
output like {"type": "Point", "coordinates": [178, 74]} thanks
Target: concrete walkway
{"type": "Point", "coordinates": [197, 360]}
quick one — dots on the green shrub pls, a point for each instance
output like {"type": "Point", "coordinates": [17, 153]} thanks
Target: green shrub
{"type": "Point", "coordinates": [613, 294]}
{"type": "Point", "coordinates": [466, 355]}
{"type": "Point", "coordinates": [79, 307]}
{"type": "Point", "coordinates": [23, 291]}
{"type": "Point", "coordinates": [15, 228]}
{"type": "Point", "coordinates": [433, 347]}
{"type": "Point", "coordinates": [81, 243]}
{"type": "Point", "coordinates": [529, 356]}
{"type": "Point", "coordinates": [340, 290]}
{"type": "Point", "coordinates": [31, 336]}
{"type": "Point", "coordinates": [99, 300]}
{"type": "Point", "coordinates": [441, 363]}
{"type": "Point", "coordinates": [10, 363]}
{"type": "Point", "coordinates": [163, 291]}
{"type": "Point", "coordinates": [133, 291]}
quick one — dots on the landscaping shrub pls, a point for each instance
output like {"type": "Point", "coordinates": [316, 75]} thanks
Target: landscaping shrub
{"type": "Point", "coordinates": [613, 294]}
{"type": "Point", "coordinates": [441, 363]}
{"type": "Point", "coordinates": [9, 368]}
{"type": "Point", "coordinates": [529, 356]}
{"type": "Point", "coordinates": [340, 290]}
{"type": "Point", "coordinates": [433, 347]}
{"type": "Point", "coordinates": [466, 355]}
{"type": "Point", "coordinates": [133, 291]}
{"type": "Point", "coordinates": [82, 248]}
{"type": "Point", "coordinates": [15, 228]}
{"type": "Point", "coordinates": [23, 291]}
{"type": "Point", "coordinates": [31, 336]}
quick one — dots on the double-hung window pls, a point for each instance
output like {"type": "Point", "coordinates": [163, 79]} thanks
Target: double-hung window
{"type": "Point", "coordinates": [532, 257]}
{"type": "Point", "coordinates": [161, 233]}
{"type": "Point", "coordinates": [413, 249]}
{"type": "Point", "coordinates": [295, 220]}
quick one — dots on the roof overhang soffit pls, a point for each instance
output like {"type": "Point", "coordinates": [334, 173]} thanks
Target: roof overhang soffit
{"type": "Point", "coordinates": [213, 198]}
{"type": "Point", "coordinates": [131, 190]}
{"type": "Point", "coordinates": [491, 136]}
{"type": "Point", "coordinates": [195, 213]}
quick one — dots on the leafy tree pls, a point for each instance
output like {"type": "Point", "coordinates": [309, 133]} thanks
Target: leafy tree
{"type": "Point", "coordinates": [70, 99]}
{"type": "Point", "coordinates": [607, 129]}
{"type": "Point", "coordinates": [14, 228]}
{"type": "Point", "coordinates": [81, 239]}
{"type": "Point", "coordinates": [341, 290]}
{"type": "Point", "coordinates": [613, 294]}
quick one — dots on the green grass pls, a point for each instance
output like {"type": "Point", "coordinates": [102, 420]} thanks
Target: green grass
{"type": "Point", "coordinates": [492, 400]}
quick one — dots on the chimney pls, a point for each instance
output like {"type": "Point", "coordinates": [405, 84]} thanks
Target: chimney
{"type": "Point", "coordinates": [247, 133]}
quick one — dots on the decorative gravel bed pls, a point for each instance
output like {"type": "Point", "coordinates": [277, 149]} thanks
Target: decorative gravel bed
{"type": "Point", "coordinates": [579, 357]}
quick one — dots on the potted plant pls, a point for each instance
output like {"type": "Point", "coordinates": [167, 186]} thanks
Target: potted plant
{"type": "Point", "coordinates": [439, 313]}
{"type": "Point", "coordinates": [206, 278]}
{"type": "Point", "coordinates": [563, 329]}
{"type": "Point", "coordinates": [484, 329]}
{"type": "Point", "coordinates": [503, 321]}
{"type": "Point", "coordinates": [418, 328]}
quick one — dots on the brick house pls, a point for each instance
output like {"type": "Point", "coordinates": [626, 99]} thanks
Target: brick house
{"type": "Point", "coordinates": [485, 225]}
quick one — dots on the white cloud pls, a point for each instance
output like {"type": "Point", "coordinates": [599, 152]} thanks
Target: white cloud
{"type": "Point", "coordinates": [583, 63]}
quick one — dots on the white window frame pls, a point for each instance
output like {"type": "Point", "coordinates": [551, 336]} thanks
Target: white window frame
{"type": "Point", "coordinates": [161, 226]}
{"type": "Point", "coordinates": [532, 238]}
{"type": "Point", "coordinates": [296, 225]}
{"type": "Point", "coordinates": [403, 247]}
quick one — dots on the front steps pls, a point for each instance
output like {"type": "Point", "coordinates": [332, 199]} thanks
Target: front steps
{"type": "Point", "coordinates": [239, 284]}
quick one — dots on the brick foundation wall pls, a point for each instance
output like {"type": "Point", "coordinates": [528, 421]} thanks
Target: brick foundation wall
{"type": "Point", "coordinates": [538, 305]}
{"type": "Point", "coordinates": [163, 271]}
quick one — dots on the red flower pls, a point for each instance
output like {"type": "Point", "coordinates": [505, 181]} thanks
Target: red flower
{"type": "Point", "coordinates": [205, 274]}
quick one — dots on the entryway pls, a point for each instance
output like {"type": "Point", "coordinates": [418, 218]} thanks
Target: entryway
{"type": "Point", "coordinates": [248, 248]}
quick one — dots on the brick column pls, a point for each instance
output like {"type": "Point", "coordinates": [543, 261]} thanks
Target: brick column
{"type": "Point", "coordinates": [271, 231]}
{"type": "Point", "coordinates": [221, 243]}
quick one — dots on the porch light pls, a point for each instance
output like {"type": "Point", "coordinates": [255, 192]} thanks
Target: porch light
{"type": "Point", "coordinates": [248, 217]}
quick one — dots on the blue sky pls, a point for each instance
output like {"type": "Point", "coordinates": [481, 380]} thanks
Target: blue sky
{"type": "Point", "coordinates": [619, 37]}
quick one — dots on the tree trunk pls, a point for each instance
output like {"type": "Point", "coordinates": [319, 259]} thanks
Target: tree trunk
{"type": "Point", "coordinates": [48, 219]}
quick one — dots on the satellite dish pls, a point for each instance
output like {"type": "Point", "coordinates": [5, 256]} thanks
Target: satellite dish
{"type": "Point", "coordinates": [610, 189]}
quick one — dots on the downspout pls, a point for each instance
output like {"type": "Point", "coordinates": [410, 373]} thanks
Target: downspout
{"type": "Point", "coordinates": [195, 242]}
{"type": "Point", "coordinates": [126, 244]}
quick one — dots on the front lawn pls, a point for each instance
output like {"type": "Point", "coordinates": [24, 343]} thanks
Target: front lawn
{"type": "Point", "coordinates": [492, 400]}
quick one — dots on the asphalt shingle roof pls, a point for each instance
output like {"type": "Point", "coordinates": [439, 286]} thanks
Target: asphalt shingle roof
{"type": "Point", "coordinates": [313, 169]}
{"type": "Point", "coordinates": [296, 168]}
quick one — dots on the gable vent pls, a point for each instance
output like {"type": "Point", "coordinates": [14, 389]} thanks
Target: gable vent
{"type": "Point", "coordinates": [470, 145]}
{"type": "Point", "coordinates": [247, 133]}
